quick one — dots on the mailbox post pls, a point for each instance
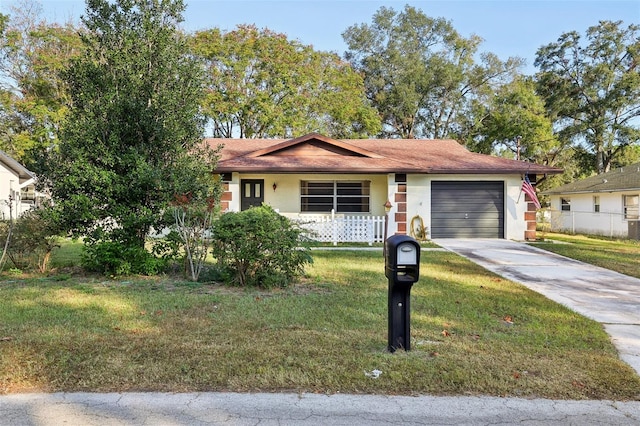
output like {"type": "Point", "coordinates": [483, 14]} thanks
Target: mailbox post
{"type": "Point", "coordinates": [402, 269]}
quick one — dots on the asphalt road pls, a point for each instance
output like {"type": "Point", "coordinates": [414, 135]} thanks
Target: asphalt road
{"type": "Point", "coordinates": [194, 409]}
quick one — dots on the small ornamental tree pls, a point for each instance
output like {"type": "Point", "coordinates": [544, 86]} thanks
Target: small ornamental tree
{"type": "Point", "coordinates": [193, 221]}
{"type": "Point", "coordinates": [259, 247]}
{"type": "Point", "coordinates": [195, 206]}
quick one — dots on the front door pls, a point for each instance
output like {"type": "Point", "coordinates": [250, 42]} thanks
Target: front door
{"type": "Point", "coordinates": [252, 193]}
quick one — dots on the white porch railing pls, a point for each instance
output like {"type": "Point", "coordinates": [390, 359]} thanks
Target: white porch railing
{"type": "Point", "coordinates": [336, 229]}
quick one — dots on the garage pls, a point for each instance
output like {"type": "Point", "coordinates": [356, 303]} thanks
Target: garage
{"type": "Point", "coordinates": [464, 209]}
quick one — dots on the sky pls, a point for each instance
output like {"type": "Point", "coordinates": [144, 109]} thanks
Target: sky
{"type": "Point", "coordinates": [508, 27]}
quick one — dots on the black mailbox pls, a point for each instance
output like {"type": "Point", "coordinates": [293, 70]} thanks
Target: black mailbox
{"type": "Point", "coordinates": [402, 269]}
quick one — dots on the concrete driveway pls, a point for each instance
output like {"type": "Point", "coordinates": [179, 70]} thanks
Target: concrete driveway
{"type": "Point", "coordinates": [605, 296]}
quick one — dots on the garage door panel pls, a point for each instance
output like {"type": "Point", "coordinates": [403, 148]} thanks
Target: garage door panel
{"type": "Point", "coordinates": [467, 233]}
{"type": "Point", "coordinates": [445, 209]}
{"type": "Point", "coordinates": [489, 215]}
{"type": "Point", "coordinates": [463, 223]}
{"type": "Point", "coordinates": [473, 209]}
{"type": "Point", "coordinates": [470, 198]}
{"type": "Point", "coordinates": [456, 193]}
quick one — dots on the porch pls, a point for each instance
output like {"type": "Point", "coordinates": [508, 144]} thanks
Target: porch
{"type": "Point", "coordinates": [341, 228]}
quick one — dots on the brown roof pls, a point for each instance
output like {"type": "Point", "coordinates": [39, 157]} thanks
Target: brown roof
{"type": "Point", "coordinates": [315, 153]}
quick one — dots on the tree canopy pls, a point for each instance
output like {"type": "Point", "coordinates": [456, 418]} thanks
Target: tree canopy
{"type": "Point", "coordinates": [127, 147]}
{"type": "Point", "coordinates": [262, 85]}
{"type": "Point", "coordinates": [419, 73]}
{"type": "Point", "coordinates": [592, 89]}
{"type": "Point", "coordinates": [514, 122]}
{"type": "Point", "coordinates": [33, 96]}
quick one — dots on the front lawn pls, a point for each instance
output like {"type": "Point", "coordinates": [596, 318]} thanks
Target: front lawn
{"type": "Point", "coordinates": [615, 254]}
{"type": "Point", "coordinates": [472, 333]}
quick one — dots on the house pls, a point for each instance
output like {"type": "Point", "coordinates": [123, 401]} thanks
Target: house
{"type": "Point", "coordinates": [436, 188]}
{"type": "Point", "coordinates": [605, 204]}
{"type": "Point", "coordinates": [17, 188]}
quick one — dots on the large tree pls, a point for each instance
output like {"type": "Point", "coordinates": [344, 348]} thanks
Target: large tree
{"type": "Point", "coordinates": [127, 147]}
{"type": "Point", "coordinates": [592, 89]}
{"type": "Point", "coordinates": [262, 85]}
{"type": "Point", "coordinates": [33, 96]}
{"type": "Point", "coordinates": [513, 123]}
{"type": "Point", "coordinates": [420, 74]}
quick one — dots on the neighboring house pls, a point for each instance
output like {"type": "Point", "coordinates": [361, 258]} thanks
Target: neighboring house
{"type": "Point", "coordinates": [434, 184]}
{"type": "Point", "coordinates": [605, 204]}
{"type": "Point", "coordinates": [17, 188]}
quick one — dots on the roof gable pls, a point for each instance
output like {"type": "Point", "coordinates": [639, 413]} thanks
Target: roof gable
{"type": "Point", "coordinates": [314, 145]}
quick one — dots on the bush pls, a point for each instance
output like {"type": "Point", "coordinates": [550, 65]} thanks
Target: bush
{"type": "Point", "coordinates": [33, 237]}
{"type": "Point", "coordinates": [258, 247]}
{"type": "Point", "coordinates": [118, 258]}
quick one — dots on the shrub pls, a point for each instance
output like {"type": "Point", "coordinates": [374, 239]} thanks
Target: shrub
{"type": "Point", "coordinates": [118, 258]}
{"type": "Point", "coordinates": [258, 247]}
{"type": "Point", "coordinates": [33, 237]}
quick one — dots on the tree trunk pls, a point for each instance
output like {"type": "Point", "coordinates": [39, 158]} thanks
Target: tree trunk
{"type": "Point", "coordinates": [598, 142]}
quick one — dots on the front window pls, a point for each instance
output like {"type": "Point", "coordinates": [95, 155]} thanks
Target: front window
{"type": "Point", "coordinates": [28, 194]}
{"type": "Point", "coordinates": [565, 204]}
{"type": "Point", "coordinates": [596, 203]}
{"type": "Point", "coordinates": [340, 196]}
{"type": "Point", "coordinates": [631, 207]}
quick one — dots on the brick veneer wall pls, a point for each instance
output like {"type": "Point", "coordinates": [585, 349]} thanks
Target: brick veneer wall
{"type": "Point", "coordinates": [530, 219]}
{"type": "Point", "coordinates": [227, 196]}
{"type": "Point", "coordinates": [400, 199]}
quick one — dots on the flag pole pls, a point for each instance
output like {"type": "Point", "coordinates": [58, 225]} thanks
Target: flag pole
{"type": "Point", "coordinates": [522, 178]}
{"type": "Point", "coordinates": [520, 193]}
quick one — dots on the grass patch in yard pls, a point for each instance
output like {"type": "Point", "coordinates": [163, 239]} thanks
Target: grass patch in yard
{"type": "Point", "coordinates": [618, 255]}
{"type": "Point", "coordinates": [472, 333]}
{"type": "Point", "coordinates": [67, 254]}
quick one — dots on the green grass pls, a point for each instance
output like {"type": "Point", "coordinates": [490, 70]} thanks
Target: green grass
{"type": "Point", "coordinates": [618, 255]}
{"type": "Point", "coordinates": [67, 255]}
{"type": "Point", "coordinates": [473, 333]}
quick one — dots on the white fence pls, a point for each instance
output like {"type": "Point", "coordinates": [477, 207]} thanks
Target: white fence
{"type": "Point", "coordinates": [342, 228]}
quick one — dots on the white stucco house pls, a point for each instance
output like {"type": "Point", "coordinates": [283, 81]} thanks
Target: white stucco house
{"type": "Point", "coordinates": [435, 185]}
{"type": "Point", "coordinates": [17, 188]}
{"type": "Point", "coordinates": [604, 204]}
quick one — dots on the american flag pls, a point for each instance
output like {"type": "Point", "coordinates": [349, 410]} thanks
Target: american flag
{"type": "Point", "coordinates": [530, 191]}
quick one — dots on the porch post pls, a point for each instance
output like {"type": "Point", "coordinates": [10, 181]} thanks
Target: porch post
{"type": "Point", "coordinates": [387, 208]}
{"type": "Point", "coordinates": [334, 228]}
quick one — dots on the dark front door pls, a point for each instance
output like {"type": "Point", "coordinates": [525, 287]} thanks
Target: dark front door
{"type": "Point", "coordinates": [251, 193]}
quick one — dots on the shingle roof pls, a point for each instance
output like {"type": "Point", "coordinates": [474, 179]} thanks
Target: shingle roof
{"type": "Point", "coordinates": [315, 153]}
{"type": "Point", "coordinates": [21, 171]}
{"type": "Point", "coordinates": [625, 178]}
